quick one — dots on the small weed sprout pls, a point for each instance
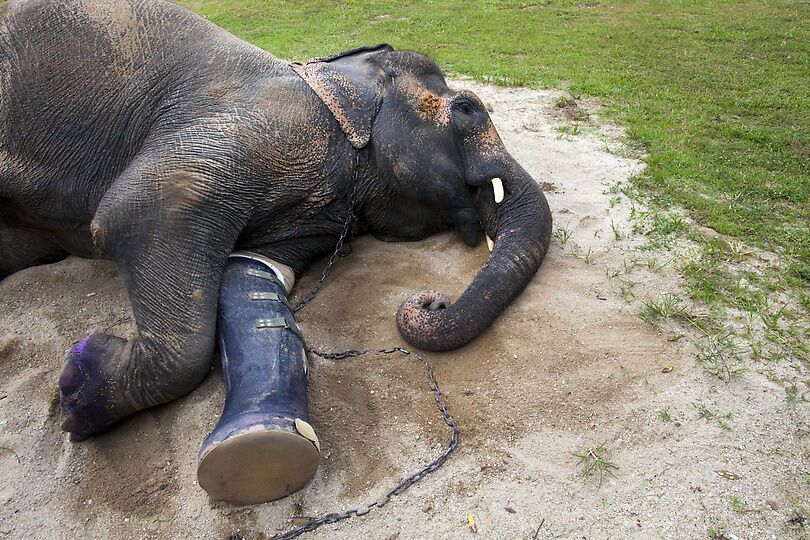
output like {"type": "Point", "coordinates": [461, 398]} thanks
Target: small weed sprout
{"type": "Point", "coordinates": [617, 232]}
{"type": "Point", "coordinates": [568, 131]}
{"type": "Point", "coordinates": [706, 414]}
{"type": "Point", "coordinates": [771, 318]}
{"type": "Point", "coordinates": [703, 411]}
{"type": "Point", "coordinates": [626, 268]}
{"type": "Point", "coordinates": [716, 533]}
{"type": "Point", "coordinates": [737, 249]}
{"type": "Point", "coordinates": [626, 290]}
{"type": "Point", "coordinates": [562, 235]}
{"type": "Point", "coordinates": [786, 331]}
{"type": "Point", "coordinates": [579, 254]}
{"type": "Point", "coordinates": [594, 462]}
{"type": "Point", "coordinates": [671, 306]}
{"type": "Point", "coordinates": [629, 268]}
{"type": "Point", "coordinates": [664, 415]}
{"type": "Point", "coordinates": [654, 265]}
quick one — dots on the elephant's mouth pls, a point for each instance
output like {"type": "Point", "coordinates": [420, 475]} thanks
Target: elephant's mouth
{"type": "Point", "coordinates": [486, 196]}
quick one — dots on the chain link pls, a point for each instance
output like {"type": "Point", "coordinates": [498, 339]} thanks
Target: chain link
{"type": "Point", "coordinates": [441, 403]}
{"type": "Point", "coordinates": [447, 417]}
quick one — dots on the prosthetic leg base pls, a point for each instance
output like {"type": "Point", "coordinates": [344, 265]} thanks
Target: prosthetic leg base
{"type": "Point", "coordinates": [257, 465]}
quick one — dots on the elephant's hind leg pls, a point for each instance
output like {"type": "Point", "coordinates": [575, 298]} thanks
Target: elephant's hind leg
{"type": "Point", "coordinates": [21, 248]}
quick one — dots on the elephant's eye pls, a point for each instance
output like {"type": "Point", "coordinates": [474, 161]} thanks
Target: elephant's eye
{"type": "Point", "coordinates": [463, 106]}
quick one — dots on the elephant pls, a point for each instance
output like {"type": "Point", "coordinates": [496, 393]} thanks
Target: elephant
{"type": "Point", "coordinates": [140, 132]}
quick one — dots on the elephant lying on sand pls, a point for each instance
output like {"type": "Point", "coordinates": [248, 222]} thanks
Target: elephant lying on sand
{"type": "Point", "coordinates": [138, 131]}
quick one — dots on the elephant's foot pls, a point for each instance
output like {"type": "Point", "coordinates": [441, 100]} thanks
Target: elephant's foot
{"type": "Point", "coordinates": [91, 397]}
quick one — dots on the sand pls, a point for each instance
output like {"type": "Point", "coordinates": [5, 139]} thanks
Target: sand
{"type": "Point", "coordinates": [569, 366]}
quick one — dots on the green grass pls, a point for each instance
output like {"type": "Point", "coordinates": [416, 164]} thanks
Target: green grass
{"type": "Point", "coordinates": [720, 354]}
{"type": "Point", "coordinates": [594, 463]}
{"type": "Point", "coordinates": [669, 306]}
{"type": "Point", "coordinates": [706, 414]}
{"type": "Point", "coordinates": [716, 92]}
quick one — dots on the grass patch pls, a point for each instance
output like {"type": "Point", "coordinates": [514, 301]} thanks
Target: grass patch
{"type": "Point", "coordinates": [568, 131]}
{"type": "Point", "coordinates": [669, 306]}
{"type": "Point", "coordinates": [595, 464]}
{"type": "Point", "coordinates": [709, 416]}
{"type": "Point", "coordinates": [716, 93]}
{"type": "Point", "coordinates": [661, 227]}
{"type": "Point", "coordinates": [561, 235]}
{"type": "Point", "coordinates": [720, 354]}
{"type": "Point", "coordinates": [722, 276]}
{"type": "Point", "coordinates": [672, 307]}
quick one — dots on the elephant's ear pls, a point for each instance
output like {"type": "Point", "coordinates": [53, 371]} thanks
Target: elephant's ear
{"type": "Point", "coordinates": [348, 83]}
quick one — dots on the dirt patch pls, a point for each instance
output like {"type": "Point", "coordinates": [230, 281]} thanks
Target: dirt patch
{"type": "Point", "coordinates": [801, 149]}
{"type": "Point", "coordinates": [569, 366]}
{"type": "Point", "coordinates": [548, 187]}
{"type": "Point", "coordinates": [569, 109]}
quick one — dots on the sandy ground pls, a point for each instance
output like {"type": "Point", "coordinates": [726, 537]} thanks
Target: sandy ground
{"type": "Point", "coordinates": [569, 366]}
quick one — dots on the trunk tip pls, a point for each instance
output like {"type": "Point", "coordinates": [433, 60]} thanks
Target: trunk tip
{"type": "Point", "coordinates": [421, 318]}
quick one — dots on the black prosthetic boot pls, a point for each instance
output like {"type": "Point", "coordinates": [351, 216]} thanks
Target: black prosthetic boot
{"type": "Point", "coordinates": [263, 447]}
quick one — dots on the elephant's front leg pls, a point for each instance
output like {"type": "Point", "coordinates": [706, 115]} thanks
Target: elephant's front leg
{"type": "Point", "coordinates": [171, 257]}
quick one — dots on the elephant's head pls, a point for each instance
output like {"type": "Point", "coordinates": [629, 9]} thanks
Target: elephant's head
{"type": "Point", "coordinates": [436, 162]}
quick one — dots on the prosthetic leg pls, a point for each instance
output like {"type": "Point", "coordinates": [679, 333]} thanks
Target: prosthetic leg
{"type": "Point", "coordinates": [263, 447]}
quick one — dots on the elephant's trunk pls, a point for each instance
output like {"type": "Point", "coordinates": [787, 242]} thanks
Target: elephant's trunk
{"type": "Point", "coordinates": [521, 226]}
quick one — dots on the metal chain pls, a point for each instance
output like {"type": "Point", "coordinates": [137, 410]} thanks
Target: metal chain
{"type": "Point", "coordinates": [341, 239]}
{"type": "Point", "coordinates": [408, 481]}
{"type": "Point", "coordinates": [441, 403]}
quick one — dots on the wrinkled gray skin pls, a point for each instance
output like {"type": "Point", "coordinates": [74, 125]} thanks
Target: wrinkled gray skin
{"type": "Point", "coordinates": [138, 131]}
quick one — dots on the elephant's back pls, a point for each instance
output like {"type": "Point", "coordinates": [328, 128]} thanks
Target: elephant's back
{"type": "Point", "coordinates": [86, 82]}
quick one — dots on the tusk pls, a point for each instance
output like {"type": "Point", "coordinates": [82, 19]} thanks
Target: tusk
{"type": "Point", "coordinates": [497, 188]}
{"type": "Point", "coordinates": [490, 242]}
